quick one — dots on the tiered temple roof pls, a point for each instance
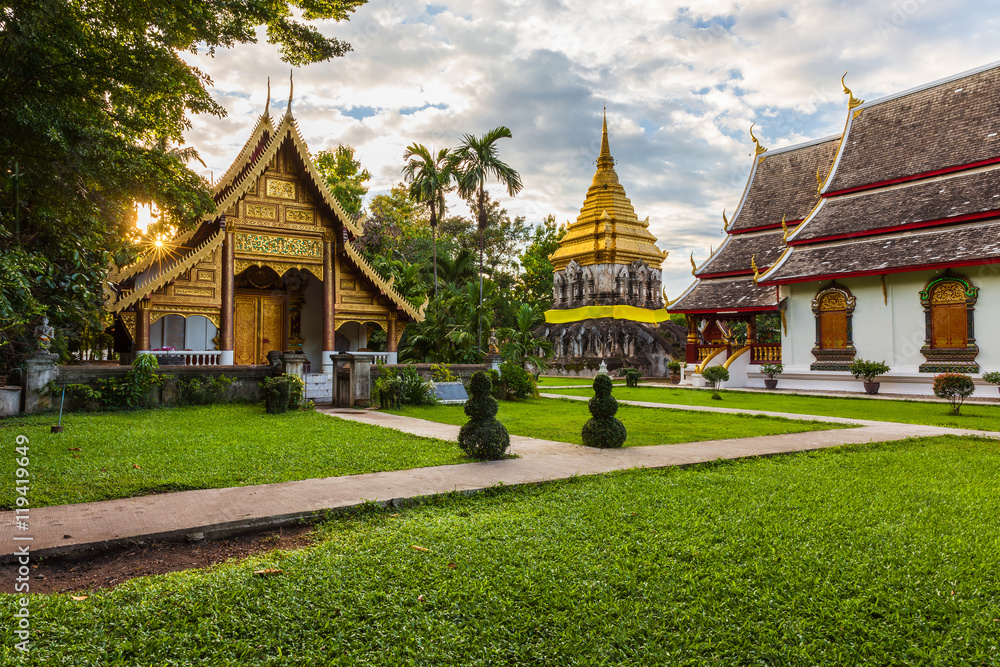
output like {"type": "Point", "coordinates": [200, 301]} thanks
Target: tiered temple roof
{"type": "Point", "coordinates": [607, 231]}
{"type": "Point", "coordinates": [915, 185]}
{"type": "Point", "coordinates": [782, 187]}
{"type": "Point", "coordinates": [153, 271]}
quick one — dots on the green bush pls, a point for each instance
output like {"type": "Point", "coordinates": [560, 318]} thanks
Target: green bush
{"type": "Point", "coordinates": [413, 389]}
{"type": "Point", "coordinates": [516, 383]}
{"type": "Point", "coordinates": [483, 437]}
{"type": "Point", "coordinates": [603, 429]}
{"type": "Point", "coordinates": [863, 369]}
{"type": "Point", "coordinates": [204, 390]}
{"type": "Point", "coordinates": [716, 375]}
{"type": "Point", "coordinates": [992, 377]}
{"type": "Point", "coordinates": [133, 390]}
{"type": "Point", "coordinates": [955, 387]}
{"type": "Point", "coordinates": [632, 376]}
{"type": "Point", "coordinates": [674, 367]}
{"type": "Point", "coordinates": [770, 370]}
{"type": "Point", "coordinates": [281, 393]}
{"type": "Point", "coordinates": [442, 373]}
{"type": "Point", "coordinates": [388, 389]}
{"type": "Point", "coordinates": [83, 396]}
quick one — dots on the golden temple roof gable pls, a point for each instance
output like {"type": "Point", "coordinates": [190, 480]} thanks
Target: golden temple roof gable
{"type": "Point", "coordinates": [607, 231]}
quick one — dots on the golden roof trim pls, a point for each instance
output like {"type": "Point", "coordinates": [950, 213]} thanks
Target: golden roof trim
{"type": "Point", "coordinates": [182, 265]}
{"type": "Point", "coordinates": [380, 282]}
{"type": "Point", "coordinates": [147, 257]}
{"type": "Point", "coordinates": [759, 148]}
{"type": "Point", "coordinates": [852, 101]}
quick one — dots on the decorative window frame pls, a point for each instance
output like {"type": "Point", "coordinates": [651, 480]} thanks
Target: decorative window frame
{"type": "Point", "coordinates": [950, 360]}
{"type": "Point", "coordinates": [834, 360]}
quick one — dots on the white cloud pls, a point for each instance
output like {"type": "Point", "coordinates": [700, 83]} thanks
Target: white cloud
{"type": "Point", "coordinates": [682, 84]}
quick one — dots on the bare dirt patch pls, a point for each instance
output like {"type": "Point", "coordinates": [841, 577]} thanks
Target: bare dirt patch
{"type": "Point", "coordinates": [142, 559]}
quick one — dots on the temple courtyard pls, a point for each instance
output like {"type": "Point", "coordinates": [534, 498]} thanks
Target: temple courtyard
{"type": "Point", "coordinates": [771, 529]}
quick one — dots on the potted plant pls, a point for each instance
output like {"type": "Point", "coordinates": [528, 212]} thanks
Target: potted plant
{"type": "Point", "coordinates": [674, 367]}
{"type": "Point", "coordinates": [992, 377]}
{"type": "Point", "coordinates": [867, 371]}
{"type": "Point", "coordinates": [771, 370]}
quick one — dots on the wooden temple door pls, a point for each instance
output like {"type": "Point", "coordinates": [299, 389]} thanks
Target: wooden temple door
{"type": "Point", "coordinates": [260, 327]}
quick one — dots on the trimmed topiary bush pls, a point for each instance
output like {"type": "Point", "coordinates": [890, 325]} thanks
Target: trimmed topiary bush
{"type": "Point", "coordinates": [603, 430]}
{"type": "Point", "coordinates": [483, 437]}
{"type": "Point", "coordinates": [955, 387]}
{"type": "Point", "coordinates": [632, 376]}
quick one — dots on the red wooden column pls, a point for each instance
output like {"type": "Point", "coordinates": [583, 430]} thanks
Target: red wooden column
{"type": "Point", "coordinates": [751, 330]}
{"type": "Point", "coordinates": [329, 307]}
{"type": "Point", "coordinates": [227, 318]}
{"type": "Point", "coordinates": [691, 349]}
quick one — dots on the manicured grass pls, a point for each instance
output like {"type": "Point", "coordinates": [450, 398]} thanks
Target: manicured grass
{"type": "Point", "coordinates": [882, 554]}
{"type": "Point", "coordinates": [562, 420]}
{"type": "Point", "coordinates": [124, 454]}
{"type": "Point", "coordinates": [974, 416]}
{"type": "Point", "coordinates": [564, 381]}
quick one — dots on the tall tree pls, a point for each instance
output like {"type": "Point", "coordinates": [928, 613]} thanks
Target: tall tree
{"type": "Point", "coordinates": [345, 177]}
{"type": "Point", "coordinates": [95, 93]}
{"type": "Point", "coordinates": [429, 177]}
{"type": "Point", "coordinates": [475, 161]}
{"type": "Point", "coordinates": [538, 271]}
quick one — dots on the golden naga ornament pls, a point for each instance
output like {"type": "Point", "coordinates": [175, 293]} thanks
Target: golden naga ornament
{"type": "Point", "coordinates": [759, 149]}
{"type": "Point", "coordinates": [694, 267]}
{"type": "Point", "coordinates": [725, 221]}
{"type": "Point", "coordinates": [852, 102]}
{"type": "Point", "coordinates": [784, 228]}
{"type": "Point", "coordinates": [819, 181]}
{"type": "Point", "coordinates": [756, 272]}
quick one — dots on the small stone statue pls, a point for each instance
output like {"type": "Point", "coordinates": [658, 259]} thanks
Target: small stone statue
{"type": "Point", "coordinates": [494, 345]}
{"type": "Point", "coordinates": [45, 335]}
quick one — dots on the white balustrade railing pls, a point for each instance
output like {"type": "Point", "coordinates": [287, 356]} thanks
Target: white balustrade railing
{"type": "Point", "coordinates": [379, 357]}
{"type": "Point", "coordinates": [187, 357]}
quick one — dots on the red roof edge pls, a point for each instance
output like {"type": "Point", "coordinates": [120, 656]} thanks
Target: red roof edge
{"type": "Point", "coordinates": [915, 177]}
{"type": "Point", "coordinates": [901, 228]}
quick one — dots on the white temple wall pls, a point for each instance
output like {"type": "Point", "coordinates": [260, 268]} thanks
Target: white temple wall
{"type": "Point", "coordinates": [890, 329]}
{"type": "Point", "coordinates": [311, 324]}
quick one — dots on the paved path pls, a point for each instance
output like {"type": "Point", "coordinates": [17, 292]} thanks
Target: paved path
{"type": "Point", "coordinates": [76, 530]}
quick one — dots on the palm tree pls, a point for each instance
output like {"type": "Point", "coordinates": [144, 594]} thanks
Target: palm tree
{"type": "Point", "coordinates": [429, 178]}
{"type": "Point", "coordinates": [521, 346]}
{"type": "Point", "coordinates": [458, 268]}
{"type": "Point", "coordinates": [474, 161]}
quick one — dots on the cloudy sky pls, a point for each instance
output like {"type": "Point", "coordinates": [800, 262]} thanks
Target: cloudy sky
{"type": "Point", "coordinates": [682, 83]}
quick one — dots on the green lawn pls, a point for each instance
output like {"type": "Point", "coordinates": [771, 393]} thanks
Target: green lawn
{"type": "Point", "coordinates": [974, 416]}
{"type": "Point", "coordinates": [562, 420]}
{"type": "Point", "coordinates": [124, 454]}
{"type": "Point", "coordinates": [564, 381]}
{"type": "Point", "coordinates": [883, 554]}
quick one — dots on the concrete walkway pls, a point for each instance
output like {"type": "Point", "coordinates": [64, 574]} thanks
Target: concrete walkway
{"type": "Point", "coordinates": [77, 530]}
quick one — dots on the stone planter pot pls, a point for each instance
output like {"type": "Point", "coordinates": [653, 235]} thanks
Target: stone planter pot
{"type": "Point", "coordinates": [872, 387]}
{"type": "Point", "coordinates": [675, 378]}
{"type": "Point", "coordinates": [770, 384]}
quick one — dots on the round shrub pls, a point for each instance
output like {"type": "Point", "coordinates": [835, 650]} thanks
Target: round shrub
{"type": "Point", "coordinates": [483, 437]}
{"type": "Point", "coordinates": [516, 383]}
{"type": "Point", "coordinates": [603, 429]}
{"type": "Point", "coordinates": [276, 394]}
{"type": "Point", "coordinates": [955, 387]}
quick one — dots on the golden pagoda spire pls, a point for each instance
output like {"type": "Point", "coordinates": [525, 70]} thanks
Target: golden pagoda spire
{"type": "Point", "coordinates": [604, 160]}
{"type": "Point", "coordinates": [607, 231]}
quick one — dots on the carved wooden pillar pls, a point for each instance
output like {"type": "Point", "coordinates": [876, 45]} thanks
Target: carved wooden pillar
{"type": "Point", "coordinates": [227, 316]}
{"type": "Point", "coordinates": [751, 330]}
{"type": "Point", "coordinates": [390, 334]}
{"type": "Point", "coordinates": [142, 326]}
{"type": "Point", "coordinates": [329, 309]}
